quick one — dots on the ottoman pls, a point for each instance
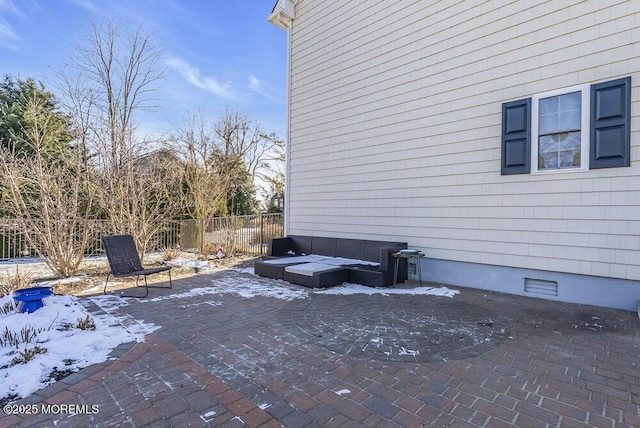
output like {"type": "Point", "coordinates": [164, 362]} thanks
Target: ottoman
{"type": "Point", "coordinates": [316, 275]}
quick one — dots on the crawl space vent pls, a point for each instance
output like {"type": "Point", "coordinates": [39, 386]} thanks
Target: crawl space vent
{"type": "Point", "coordinates": [411, 269]}
{"type": "Point", "coordinates": [540, 286]}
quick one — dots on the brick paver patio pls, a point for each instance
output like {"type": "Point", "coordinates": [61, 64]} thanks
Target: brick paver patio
{"type": "Point", "coordinates": [478, 359]}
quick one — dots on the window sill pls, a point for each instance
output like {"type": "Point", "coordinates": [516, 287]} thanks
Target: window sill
{"type": "Point", "coordinates": [560, 171]}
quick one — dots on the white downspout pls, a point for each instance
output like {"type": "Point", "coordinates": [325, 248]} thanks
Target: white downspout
{"type": "Point", "coordinates": [287, 155]}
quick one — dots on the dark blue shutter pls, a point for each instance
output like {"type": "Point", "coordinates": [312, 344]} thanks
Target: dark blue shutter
{"type": "Point", "coordinates": [516, 137]}
{"type": "Point", "coordinates": [610, 124]}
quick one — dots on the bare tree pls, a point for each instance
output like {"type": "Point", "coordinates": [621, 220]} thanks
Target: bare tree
{"type": "Point", "coordinates": [120, 65]}
{"type": "Point", "coordinates": [240, 136]}
{"type": "Point", "coordinates": [205, 187]}
{"type": "Point", "coordinates": [224, 158]}
{"type": "Point", "coordinates": [79, 102]}
{"type": "Point", "coordinates": [50, 196]}
{"type": "Point", "coordinates": [247, 156]}
{"type": "Point", "coordinates": [112, 77]}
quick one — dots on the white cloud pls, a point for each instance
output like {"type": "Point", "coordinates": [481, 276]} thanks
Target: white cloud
{"type": "Point", "coordinates": [84, 4]}
{"type": "Point", "coordinates": [192, 75]}
{"type": "Point", "coordinates": [265, 90]}
{"type": "Point", "coordinates": [8, 6]}
{"type": "Point", "coordinates": [8, 37]}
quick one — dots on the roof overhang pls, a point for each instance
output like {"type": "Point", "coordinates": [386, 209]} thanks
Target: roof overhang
{"type": "Point", "coordinates": [283, 13]}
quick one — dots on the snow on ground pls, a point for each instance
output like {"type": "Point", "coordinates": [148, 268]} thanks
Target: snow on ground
{"type": "Point", "coordinates": [67, 346]}
{"type": "Point", "coordinates": [31, 266]}
{"type": "Point", "coordinates": [199, 266]}
{"type": "Point", "coordinates": [248, 270]}
{"type": "Point", "coordinates": [349, 289]}
{"type": "Point", "coordinates": [242, 286]}
{"type": "Point", "coordinates": [315, 258]}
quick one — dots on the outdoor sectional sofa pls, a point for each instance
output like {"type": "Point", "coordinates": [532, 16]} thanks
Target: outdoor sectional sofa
{"type": "Point", "coordinates": [315, 261]}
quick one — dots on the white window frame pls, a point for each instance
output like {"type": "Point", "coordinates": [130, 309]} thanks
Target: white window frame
{"type": "Point", "coordinates": [585, 127]}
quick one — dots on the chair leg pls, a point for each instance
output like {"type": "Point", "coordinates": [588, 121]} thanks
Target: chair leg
{"type": "Point", "coordinates": [146, 290]}
{"type": "Point", "coordinates": [160, 286]}
{"type": "Point", "coordinates": [170, 283]}
{"type": "Point", "coordinates": [104, 291]}
{"type": "Point", "coordinates": [146, 287]}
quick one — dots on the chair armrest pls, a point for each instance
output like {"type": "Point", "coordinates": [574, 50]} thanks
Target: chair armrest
{"type": "Point", "coordinates": [386, 261]}
{"type": "Point", "coordinates": [280, 246]}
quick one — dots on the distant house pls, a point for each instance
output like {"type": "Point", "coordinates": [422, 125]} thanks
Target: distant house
{"type": "Point", "coordinates": [277, 201]}
{"type": "Point", "coordinates": [500, 138]}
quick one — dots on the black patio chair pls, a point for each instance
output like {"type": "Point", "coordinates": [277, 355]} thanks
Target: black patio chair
{"type": "Point", "coordinates": [124, 261]}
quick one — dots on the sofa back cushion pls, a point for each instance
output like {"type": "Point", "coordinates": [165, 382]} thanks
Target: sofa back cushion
{"type": "Point", "coordinates": [324, 246]}
{"type": "Point", "coordinates": [350, 249]}
{"type": "Point", "coordinates": [301, 244]}
{"type": "Point", "coordinates": [386, 250]}
{"type": "Point", "coordinates": [371, 251]}
{"type": "Point", "coordinates": [341, 247]}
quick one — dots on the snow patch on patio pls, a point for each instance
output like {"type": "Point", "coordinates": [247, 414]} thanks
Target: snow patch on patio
{"type": "Point", "coordinates": [350, 289]}
{"type": "Point", "coordinates": [110, 303]}
{"type": "Point", "coordinates": [247, 270]}
{"type": "Point", "coordinates": [67, 347]}
{"type": "Point", "coordinates": [241, 286]}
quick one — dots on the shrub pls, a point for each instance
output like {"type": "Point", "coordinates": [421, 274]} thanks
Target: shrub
{"type": "Point", "coordinates": [86, 324]}
{"type": "Point", "coordinates": [13, 281]}
{"type": "Point", "coordinates": [8, 307]}
{"type": "Point", "coordinates": [270, 231]}
{"type": "Point", "coordinates": [28, 354]}
{"type": "Point", "coordinates": [26, 335]}
{"type": "Point", "coordinates": [170, 253]}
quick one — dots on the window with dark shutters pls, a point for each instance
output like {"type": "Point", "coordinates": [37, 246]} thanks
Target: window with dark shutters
{"type": "Point", "coordinates": [609, 125]}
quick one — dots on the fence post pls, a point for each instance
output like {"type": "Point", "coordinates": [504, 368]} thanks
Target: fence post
{"type": "Point", "coordinates": [261, 234]}
{"type": "Point", "coordinates": [201, 243]}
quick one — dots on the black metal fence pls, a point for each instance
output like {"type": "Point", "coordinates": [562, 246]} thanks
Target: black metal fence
{"type": "Point", "coordinates": [236, 234]}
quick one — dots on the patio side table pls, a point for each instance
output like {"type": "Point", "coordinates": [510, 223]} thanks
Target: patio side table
{"type": "Point", "coordinates": [408, 256]}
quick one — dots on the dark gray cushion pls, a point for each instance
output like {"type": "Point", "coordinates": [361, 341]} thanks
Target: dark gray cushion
{"type": "Point", "coordinates": [371, 251]}
{"type": "Point", "coordinates": [301, 244]}
{"type": "Point", "coordinates": [324, 246]}
{"type": "Point", "coordinates": [350, 248]}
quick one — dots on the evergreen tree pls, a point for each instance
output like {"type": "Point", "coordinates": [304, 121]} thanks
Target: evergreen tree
{"type": "Point", "coordinates": [17, 119]}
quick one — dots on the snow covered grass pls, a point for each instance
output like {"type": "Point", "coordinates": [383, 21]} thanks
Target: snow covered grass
{"type": "Point", "coordinates": [198, 266]}
{"type": "Point", "coordinates": [38, 270]}
{"type": "Point", "coordinates": [60, 339]}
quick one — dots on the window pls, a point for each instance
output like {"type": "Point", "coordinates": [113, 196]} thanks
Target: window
{"type": "Point", "coordinates": [560, 123]}
{"type": "Point", "coordinates": [578, 128]}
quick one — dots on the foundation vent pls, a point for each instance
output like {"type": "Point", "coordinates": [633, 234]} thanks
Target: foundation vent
{"type": "Point", "coordinates": [540, 286]}
{"type": "Point", "coordinates": [411, 269]}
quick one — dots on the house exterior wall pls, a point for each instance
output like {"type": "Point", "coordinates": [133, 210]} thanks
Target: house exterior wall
{"type": "Point", "coordinates": [395, 133]}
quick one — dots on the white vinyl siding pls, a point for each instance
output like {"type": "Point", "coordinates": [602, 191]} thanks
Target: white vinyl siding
{"type": "Point", "coordinates": [395, 129]}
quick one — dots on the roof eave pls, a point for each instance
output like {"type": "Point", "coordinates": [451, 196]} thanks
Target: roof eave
{"type": "Point", "coordinates": [282, 14]}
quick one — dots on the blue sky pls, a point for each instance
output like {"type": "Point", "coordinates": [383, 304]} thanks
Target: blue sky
{"type": "Point", "coordinates": [219, 52]}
